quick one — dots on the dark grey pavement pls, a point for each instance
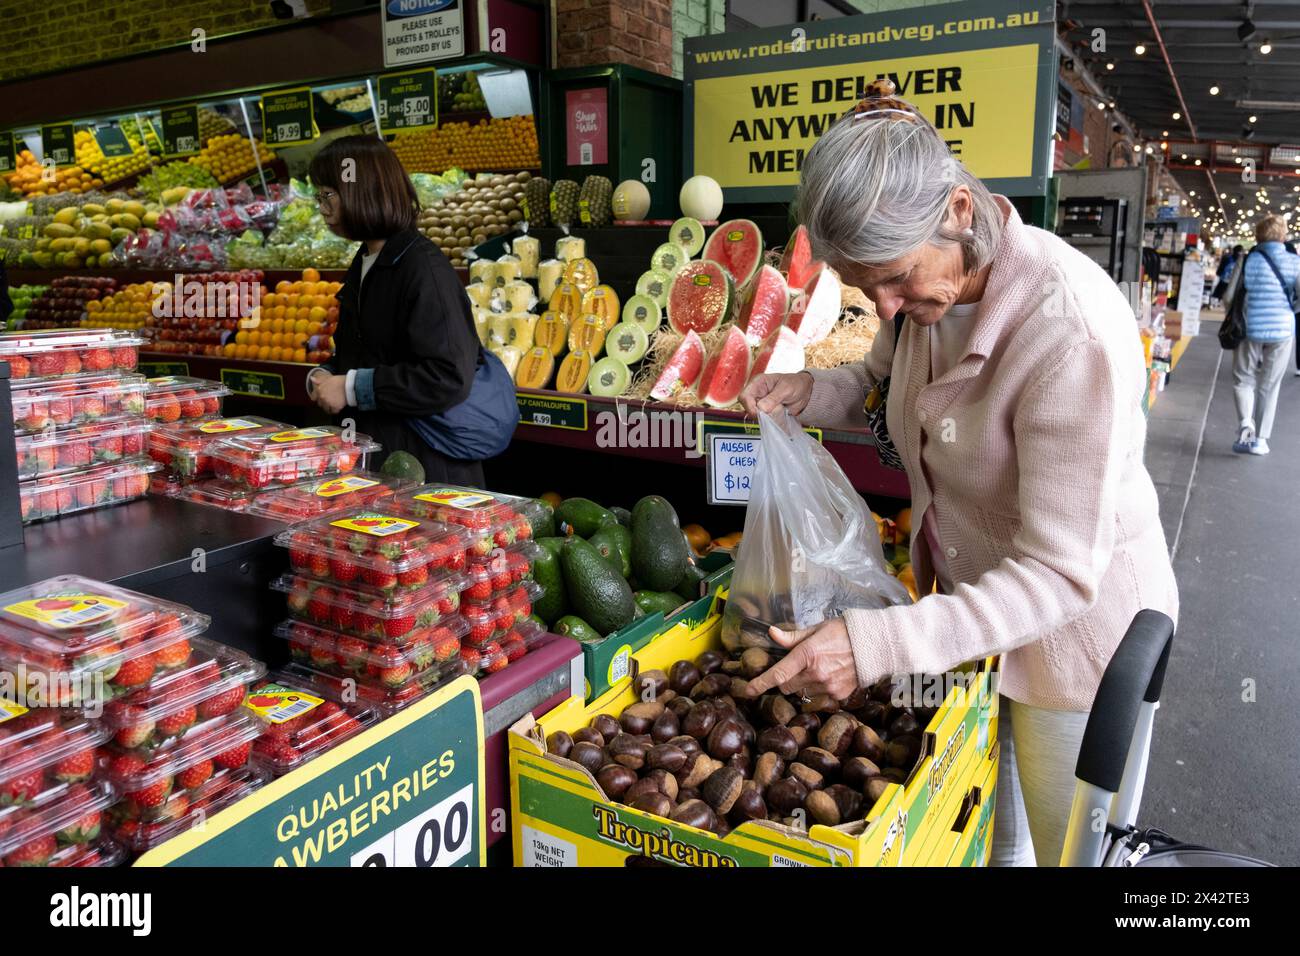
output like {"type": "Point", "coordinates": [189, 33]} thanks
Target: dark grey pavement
{"type": "Point", "coordinates": [1225, 764]}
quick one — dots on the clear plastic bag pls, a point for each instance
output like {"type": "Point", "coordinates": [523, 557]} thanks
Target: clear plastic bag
{"type": "Point", "coordinates": [810, 550]}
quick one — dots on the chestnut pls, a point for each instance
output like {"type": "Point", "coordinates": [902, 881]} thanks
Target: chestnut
{"type": "Point", "coordinates": [725, 739]}
{"type": "Point", "coordinates": [873, 712]}
{"type": "Point", "coordinates": [628, 751]}
{"type": "Point", "coordinates": [857, 771]}
{"type": "Point", "coordinates": [696, 770]}
{"type": "Point", "coordinates": [559, 743]}
{"type": "Point", "coordinates": [836, 735]}
{"type": "Point", "coordinates": [775, 709]}
{"type": "Point", "coordinates": [686, 744]}
{"type": "Point", "coordinates": [741, 761]}
{"type": "Point", "coordinates": [754, 661]}
{"type": "Point", "coordinates": [713, 685]}
{"type": "Point", "coordinates": [615, 779]}
{"type": "Point", "coordinates": [806, 775]}
{"type": "Point", "coordinates": [700, 720]}
{"type": "Point", "coordinates": [847, 799]}
{"type": "Point", "coordinates": [903, 725]}
{"type": "Point", "coordinates": [820, 704]}
{"type": "Point", "coordinates": [882, 690]}
{"type": "Point", "coordinates": [822, 807]}
{"type": "Point", "coordinates": [823, 761]}
{"type": "Point", "coordinates": [739, 689]}
{"type": "Point", "coordinates": [856, 699]}
{"type": "Point", "coordinates": [638, 718]}
{"type": "Point", "coordinates": [867, 743]}
{"type": "Point", "coordinates": [768, 769]}
{"type": "Point", "coordinates": [902, 752]}
{"type": "Point", "coordinates": [731, 668]}
{"type": "Point", "coordinates": [589, 735]}
{"type": "Point", "coordinates": [680, 706]}
{"type": "Point", "coordinates": [650, 684]}
{"type": "Point", "coordinates": [721, 789]}
{"type": "Point", "coordinates": [695, 813]}
{"type": "Point", "coordinates": [708, 662]}
{"type": "Point", "coordinates": [803, 737]}
{"type": "Point", "coordinates": [875, 788]}
{"type": "Point", "coordinates": [687, 794]}
{"type": "Point", "coordinates": [665, 728]}
{"type": "Point", "coordinates": [684, 675]}
{"type": "Point", "coordinates": [778, 740]}
{"type": "Point", "coordinates": [644, 785]}
{"type": "Point", "coordinates": [665, 781]}
{"type": "Point", "coordinates": [786, 795]}
{"type": "Point", "coordinates": [606, 725]}
{"type": "Point", "coordinates": [894, 775]}
{"type": "Point", "coordinates": [654, 802]}
{"type": "Point", "coordinates": [588, 755]}
{"type": "Point", "coordinates": [749, 804]}
{"type": "Point", "coordinates": [665, 757]}
{"type": "Point", "coordinates": [810, 722]}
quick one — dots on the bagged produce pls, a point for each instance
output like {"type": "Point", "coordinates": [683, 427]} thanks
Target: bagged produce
{"type": "Point", "coordinates": [810, 549]}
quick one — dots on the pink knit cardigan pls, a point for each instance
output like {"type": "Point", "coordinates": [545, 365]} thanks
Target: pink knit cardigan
{"type": "Point", "coordinates": [1030, 451]}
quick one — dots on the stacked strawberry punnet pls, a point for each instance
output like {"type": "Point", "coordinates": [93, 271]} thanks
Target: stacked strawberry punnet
{"type": "Point", "coordinates": [321, 496]}
{"type": "Point", "coordinates": [184, 447]}
{"type": "Point", "coordinates": [289, 456]}
{"type": "Point", "coordinates": [305, 718]}
{"type": "Point", "coordinates": [79, 423]}
{"type": "Point", "coordinates": [176, 398]}
{"type": "Point", "coordinates": [59, 824]}
{"type": "Point", "coordinates": [200, 791]}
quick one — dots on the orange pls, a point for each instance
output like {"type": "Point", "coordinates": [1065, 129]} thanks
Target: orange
{"type": "Point", "coordinates": [310, 275]}
{"type": "Point", "coordinates": [300, 355]}
{"type": "Point", "coordinates": [282, 286]}
{"type": "Point", "coordinates": [304, 302]}
{"type": "Point", "coordinates": [263, 354]}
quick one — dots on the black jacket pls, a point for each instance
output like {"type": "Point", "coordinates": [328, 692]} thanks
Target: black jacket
{"type": "Point", "coordinates": [410, 322]}
{"type": "Point", "coordinates": [6, 304]}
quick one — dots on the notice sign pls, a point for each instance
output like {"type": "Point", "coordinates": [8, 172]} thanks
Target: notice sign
{"type": "Point", "coordinates": [982, 72]}
{"type": "Point", "coordinates": [732, 460]}
{"type": "Point", "coordinates": [586, 126]}
{"type": "Point", "coordinates": [417, 31]}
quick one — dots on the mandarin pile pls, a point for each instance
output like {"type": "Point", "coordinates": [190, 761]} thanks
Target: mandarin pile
{"type": "Point", "coordinates": [489, 144]}
{"type": "Point", "coordinates": [28, 178]}
{"type": "Point", "coordinates": [295, 323]}
{"type": "Point", "coordinates": [231, 156]}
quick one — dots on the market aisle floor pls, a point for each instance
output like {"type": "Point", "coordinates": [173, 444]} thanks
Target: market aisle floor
{"type": "Point", "coordinates": [1226, 756]}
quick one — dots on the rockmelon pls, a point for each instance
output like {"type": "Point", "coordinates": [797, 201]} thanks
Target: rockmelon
{"type": "Point", "coordinates": [535, 368]}
{"type": "Point", "coordinates": [567, 300]}
{"type": "Point", "coordinates": [552, 333]}
{"type": "Point", "coordinates": [602, 301]}
{"type": "Point", "coordinates": [631, 200]}
{"type": "Point", "coordinates": [572, 376]}
{"type": "Point", "coordinates": [587, 335]}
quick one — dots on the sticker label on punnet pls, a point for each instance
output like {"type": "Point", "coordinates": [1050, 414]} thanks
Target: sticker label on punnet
{"type": "Point", "coordinates": [223, 425]}
{"type": "Point", "coordinates": [300, 434]}
{"type": "Point", "coordinates": [341, 486]}
{"type": "Point", "coordinates": [279, 704]}
{"type": "Point", "coordinates": [381, 526]}
{"type": "Point", "coordinates": [454, 499]}
{"type": "Point", "coordinates": [68, 610]}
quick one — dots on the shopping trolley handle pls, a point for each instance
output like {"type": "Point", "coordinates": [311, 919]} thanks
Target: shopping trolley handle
{"type": "Point", "coordinates": [1135, 674]}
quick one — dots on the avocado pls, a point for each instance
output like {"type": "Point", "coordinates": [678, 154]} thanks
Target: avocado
{"type": "Point", "coordinates": [623, 515]}
{"type": "Point", "coordinates": [551, 544]}
{"type": "Point", "coordinates": [651, 601]}
{"type": "Point", "coordinates": [582, 516]}
{"type": "Point", "coordinates": [575, 627]}
{"type": "Point", "coordinates": [542, 519]}
{"type": "Point", "coordinates": [546, 572]}
{"type": "Point", "coordinates": [660, 552]}
{"type": "Point", "coordinates": [614, 542]}
{"type": "Point", "coordinates": [596, 592]}
{"type": "Point", "coordinates": [689, 586]}
{"type": "Point", "coordinates": [402, 464]}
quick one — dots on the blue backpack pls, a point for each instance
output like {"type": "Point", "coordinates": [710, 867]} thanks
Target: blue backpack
{"type": "Point", "coordinates": [481, 426]}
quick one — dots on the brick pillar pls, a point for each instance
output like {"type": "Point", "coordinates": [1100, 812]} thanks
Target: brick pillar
{"type": "Point", "coordinates": [636, 32]}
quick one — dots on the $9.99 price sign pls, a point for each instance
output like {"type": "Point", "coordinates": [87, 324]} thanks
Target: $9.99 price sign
{"type": "Point", "coordinates": [407, 792]}
{"type": "Point", "coordinates": [408, 100]}
{"type": "Point", "coordinates": [288, 117]}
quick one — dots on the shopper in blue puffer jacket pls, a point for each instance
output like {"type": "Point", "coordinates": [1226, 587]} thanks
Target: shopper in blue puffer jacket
{"type": "Point", "coordinates": [1271, 279]}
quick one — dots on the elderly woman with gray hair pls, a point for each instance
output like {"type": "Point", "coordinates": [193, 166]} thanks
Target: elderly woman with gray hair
{"type": "Point", "coordinates": [1012, 374]}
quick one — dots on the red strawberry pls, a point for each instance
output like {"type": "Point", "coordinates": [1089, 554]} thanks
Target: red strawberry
{"type": "Point", "coordinates": [457, 560]}
{"type": "Point", "coordinates": [342, 568]}
{"type": "Point", "coordinates": [395, 627]}
{"type": "Point", "coordinates": [195, 776]}
{"type": "Point", "coordinates": [75, 767]}
{"type": "Point", "coordinates": [514, 650]}
{"type": "Point", "coordinates": [94, 406]}
{"type": "Point", "coordinates": [504, 538]}
{"type": "Point", "coordinates": [125, 356]}
{"type": "Point", "coordinates": [174, 654]}
{"type": "Point", "coordinates": [177, 805]}
{"type": "Point", "coordinates": [132, 443]}
{"type": "Point", "coordinates": [351, 653]}
{"type": "Point", "coordinates": [19, 367]}
{"type": "Point", "coordinates": [234, 757]}
{"type": "Point", "coordinates": [341, 616]}
{"type": "Point", "coordinates": [393, 667]}
{"type": "Point", "coordinates": [445, 647]}
{"type": "Point", "coordinates": [482, 626]}
{"type": "Point", "coordinates": [481, 589]}
{"type": "Point", "coordinates": [82, 830]}
{"type": "Point", "coordinates": [276, 750]}
{"type": "Point", "coordinates": [33, 853]}
{"type": "Point", "coordinates": [319, 606]}
{"type": "Point", "coordinates": [318, 565]}
{"type": "Point", "coordinates": [472, 659]}
{"type": "Point", "coordinates": [137, 731]}
{"type": "Point", "coordinates": [135, 672]}
{"type": "Point", "coordinates": [47, 363]}
{"type": "Point", "coordinates": [97, 360]}
{"type": "Point", "coordinates": [299, 598]}
{"type": "Point", "coordinates": [380, 575]}
{"type": "Point", "coordinates": [164, 408]}
{"type": "Point", "coordinates": [153, 795]}
{"type": "Point", "coordinates": [448, 603]}
{"type": "Point", "coordinates": [84, 493]}
{"type": "Point", "coordinates": [322, 651]}
{"type": "Point", "coordinates": [109, 446]}
{"type": "Point", "coordinates": [221, 704]}
{"type": "Point", "coordinates": [211, 406]}
{"type": "Point", "coordinates": [21, 788]}
{"type": "Point", "coordinates": [174, 725]}
{"type": "Point", "coordinates": [494, 659]}
{"type": "Point", "coordinates": [414, 577]}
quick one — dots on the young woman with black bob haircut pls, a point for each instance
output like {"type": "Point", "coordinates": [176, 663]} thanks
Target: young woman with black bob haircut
{"type": "Point", "coordinates": [406, 347]}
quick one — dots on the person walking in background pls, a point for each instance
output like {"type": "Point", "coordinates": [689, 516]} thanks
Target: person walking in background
{"type": "Point", "coordinates": [1270, 281]}
{"type": "Point", "coordinates": [6, 304]}
{"type": "Point", "coordinates": [1224, 272]}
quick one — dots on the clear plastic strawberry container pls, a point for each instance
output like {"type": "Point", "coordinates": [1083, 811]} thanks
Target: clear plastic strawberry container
{"type": "Point", "coordinates": [492, 521]}
{"type": "Point", "coordinates": [500, 621]}
{"type": "Point", "coordinates": [173, 398]}
{"type": "Point", "coordinates": [500, 571]}
{"type": "Point", "coordinates": [90, 639]}
{"type": "Point", "coordinates": [211, 683]}
{"type": "Point", "coordinates": [105, 852]}
{"type": "Point", "coordinates": [60, 815]}
{"type": "Point", "coordinates": [392, 619]}
{"type": "Point", "coordinates": [214, 492]}
{"type": "Point", "coordinates": [61, 450]}
{"type": "Point", "coordinates": [387, 700]}
{"type": "Point", "coordinates": [43, 498]}
{"type": "Point", "coordinates": [290, 456]}
{"type": "Point", "coordinates": [183, 809]}
{"type": "Point", "coordinates": [304, 720]}
{"type": "Point", "coordinates": [322, 496]}
{"type": "Point", "coordinates": [184, 763]}
{"type": "Point", "coordinates": [484, 659]}
{"type": "Point", "coordinates": [43, 746]}
{"type": "Point", "coordinates": [183, 448]}
{"type": "Point", "coordinates": [379, 550]}
{"type": "Point", "coordinates": [433, 649]}
{"type": "Point", "coordinates": [39, 404]}
{"type": "Point", "coordinates": [64, 352]}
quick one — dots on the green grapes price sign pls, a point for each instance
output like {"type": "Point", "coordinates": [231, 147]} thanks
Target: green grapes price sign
{"type": "Point", "coordinates": [288, 117]}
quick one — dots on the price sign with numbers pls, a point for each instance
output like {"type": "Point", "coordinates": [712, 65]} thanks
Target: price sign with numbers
{"type": "Point", "coordinates": [288, 117]}
{"type": "Point", "coordinates": [731, 463]}
{"type": "Point", "coordinates": [112, 141]}
{"type": "Point", "coordinates": [552, 411]}
{"type": "Point", "coordinates": [180, 130]}
{"type": "Point", "coordinates": [408, 100]}
{"type": "Point", "coordinates": [408, 792]}
{"type": "Point", "coordinates": [58, 144]}
{"type": "Point", "coordinates": [7, 162]}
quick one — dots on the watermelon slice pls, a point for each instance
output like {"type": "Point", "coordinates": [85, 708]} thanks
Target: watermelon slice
{"type": "Point", "coordinates": [764, 305]}
{"type": "Point", "coordinates": [682, 370]}
{"type": "Point", "coordinates": [726, 371]}
{"type": "Point", "coordinates": [781, 352]}
{"type": "Point", "coordinates": [738, 246]}
{"type": "Point", "coordinates": [796, 260]}
{"type": "Point", "coordinates": [700, 297]}
{"type": "Point", "coordinates": [816, 309]}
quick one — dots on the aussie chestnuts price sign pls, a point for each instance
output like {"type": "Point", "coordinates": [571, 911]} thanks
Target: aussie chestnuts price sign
{"type": "Point", "coordinates": [406, 792]}
{"type": "Point", "coordinates": [982, 72]}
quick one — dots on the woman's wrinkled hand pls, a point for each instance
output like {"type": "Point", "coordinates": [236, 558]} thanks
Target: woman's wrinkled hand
{"type": "Point", "coordinates": [820, 662]}
{"type": "Point", "coordinates": [768, 392]}
{"type": "Point", "coordinates": [331, 393]}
